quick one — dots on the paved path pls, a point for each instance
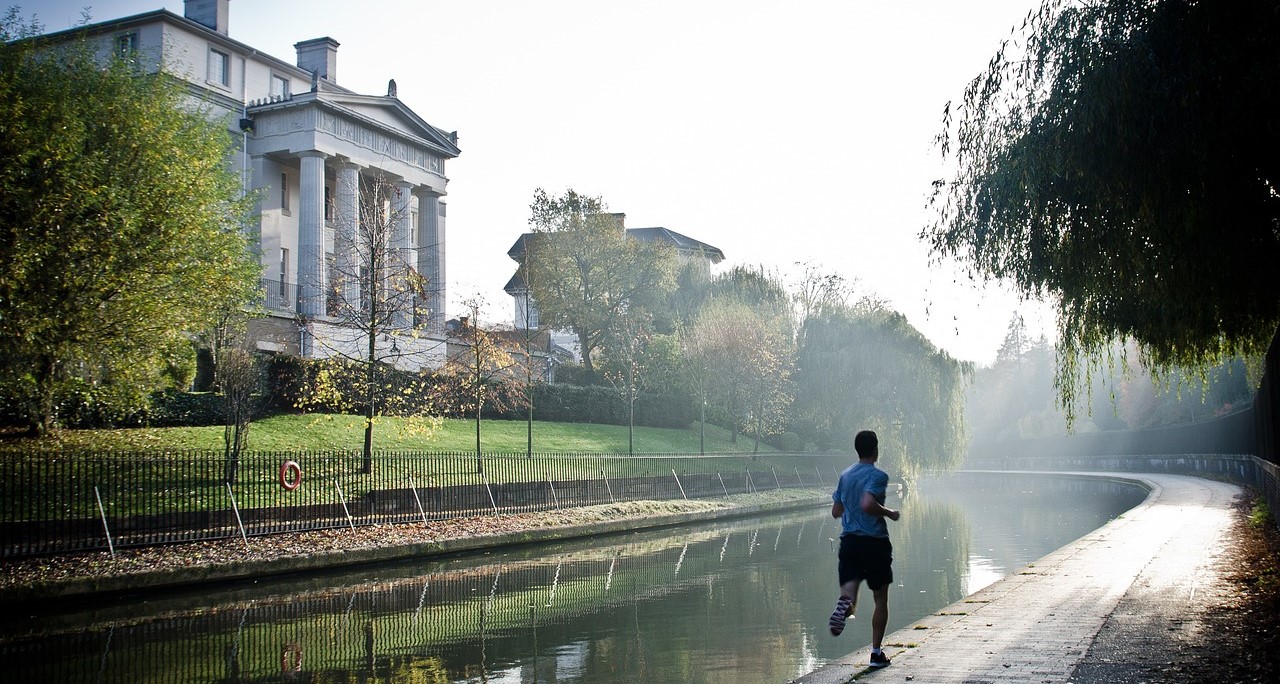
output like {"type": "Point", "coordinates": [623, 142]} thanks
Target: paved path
{"type": "Point", "coordinates": [1037, 625]}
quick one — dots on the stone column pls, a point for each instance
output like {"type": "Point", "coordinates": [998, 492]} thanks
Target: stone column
{"type": "Point", "coordinates": [346, 216]}
{"type": "Point", "coordinates": [313, 277]}
{"type": "Point", "coordinates": [401, 246]}
{"type": "Point", "coordinates": [431, 256]}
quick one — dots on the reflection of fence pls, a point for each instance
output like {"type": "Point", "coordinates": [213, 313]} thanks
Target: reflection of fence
{"type": "Point", "coordinates": [49, 503]}
{"type": "Point", "coordinates": [461, 624]}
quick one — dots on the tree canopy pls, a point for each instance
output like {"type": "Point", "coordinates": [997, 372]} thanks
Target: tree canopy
{"type": "Point", "coordinates": [868, 368]}
{"type": "Point", "coordinates": [584, 273]}
{"type": "Point", "coordinates": [1122, 158]}
{"type": "Point", "coordinates": [121, 225]}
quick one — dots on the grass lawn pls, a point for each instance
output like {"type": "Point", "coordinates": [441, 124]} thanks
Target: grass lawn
{"type": "Point", "coordinates": [343, 432]}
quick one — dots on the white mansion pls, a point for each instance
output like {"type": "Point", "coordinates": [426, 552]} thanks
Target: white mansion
{"type": "Point", "coordinates": [312, 150]}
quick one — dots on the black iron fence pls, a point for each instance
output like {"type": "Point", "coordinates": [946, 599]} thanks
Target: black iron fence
{"type": "Point", "coordinates": [60, 502]}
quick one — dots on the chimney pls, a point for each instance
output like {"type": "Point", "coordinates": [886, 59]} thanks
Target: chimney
{"type": "Point", "coordinates": [320, 57]}
{"type": "Point", "coordinates": [211, 13]}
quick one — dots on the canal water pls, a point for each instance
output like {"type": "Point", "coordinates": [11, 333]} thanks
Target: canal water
{"type": "Point", "coordinates": [739, 601]}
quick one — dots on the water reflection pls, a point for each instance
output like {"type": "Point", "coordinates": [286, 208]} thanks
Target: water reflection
{"type": "Point", "coordinates": [736, 601]}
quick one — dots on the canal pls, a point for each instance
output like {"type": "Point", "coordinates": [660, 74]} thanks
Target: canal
{"type": "Point", "coordinates": [739, 601]}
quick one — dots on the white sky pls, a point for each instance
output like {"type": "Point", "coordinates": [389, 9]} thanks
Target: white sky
{"type": "Point", "coordinates": [780, 132]}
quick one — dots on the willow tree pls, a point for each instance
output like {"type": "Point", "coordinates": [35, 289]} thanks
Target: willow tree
{"type": "Point", "coordinates": [121, 223]}
{"type": "Point", "coordinates": [868, 368]}
{"type": "Point", "coordinates": [1122, 158]}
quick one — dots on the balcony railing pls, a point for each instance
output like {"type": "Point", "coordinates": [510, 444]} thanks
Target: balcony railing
{"type": "Point", "coordinates": [280, 295]}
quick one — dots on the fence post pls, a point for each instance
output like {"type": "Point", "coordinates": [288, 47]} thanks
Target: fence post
{"type": "Point", "coordinates": [606, 486]}
{"type": "Point", "coordinates": [554, 500]}
{"type": "Point", "coordinates": [818, 473]}
{"type": "Point", "coordinates": [726, 489]}
{"type": "Point", "coordinates": [751, 485]}
{"type": "Point", "coordinates": [488, 489]}
{"type": "Point", "coordinates": [236, 509]}
{"type": "Point", "coordinates": [775, 477]}
{"type": "Point", "coordinates": [677, 477]}
{"type": "Point", "coordinates": [343, 498]}
{"type": "Point", "coordinates": [414, 488]}
{"type": "Point", "coordinates": [103, 512]}
{"type": "Point", "coordinates": [799, 479]}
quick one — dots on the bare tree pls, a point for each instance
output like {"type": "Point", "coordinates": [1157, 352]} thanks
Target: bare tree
{"type": "Point", "coordinates": [376, 300]}
{"type": "Point", "coordinates": [484, 371]}
{"type": "Point", "coordinates": [239, 380]}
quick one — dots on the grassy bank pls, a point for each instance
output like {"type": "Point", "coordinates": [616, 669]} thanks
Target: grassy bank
{"type": "Point", "coordinates": [344, 432]}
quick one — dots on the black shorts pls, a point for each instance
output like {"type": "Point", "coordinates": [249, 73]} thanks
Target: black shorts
{"type": "Point", "coordinates": [866, 558]}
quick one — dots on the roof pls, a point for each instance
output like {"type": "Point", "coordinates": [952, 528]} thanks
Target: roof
{"type": "Point", "coordinates": [682, 243]}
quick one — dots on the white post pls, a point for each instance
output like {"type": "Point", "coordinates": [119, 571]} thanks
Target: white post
{"type": "Point", "coordinates": [414, 488]}
{"type": "Point", "coordinates": [102, 511]}
{"type": "Point", "coordinates": [677, 477]}
{"type": "Point", "coordinates": [487, 488]}
{"type": "Point", "coordinates": [236, 509]}
{"type": "Point", "coordinates": [343, 498]}
{"type": "Point", "coordinates": [726, 489]}
{"type": "Point", "coordinates": [606, 485]}
{"type": "Point", "coordinates": [775, 477]}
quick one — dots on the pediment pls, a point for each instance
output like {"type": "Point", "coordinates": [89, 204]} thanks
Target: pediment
{"type": "Point", "coordinates": [393, 114]}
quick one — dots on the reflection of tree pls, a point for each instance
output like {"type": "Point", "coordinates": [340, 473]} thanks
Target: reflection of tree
{"type": "Point", "coordinates": [938, 535]}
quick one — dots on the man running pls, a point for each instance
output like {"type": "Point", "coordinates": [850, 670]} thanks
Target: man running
{"type": "Point", "coordinates": [865, 551]}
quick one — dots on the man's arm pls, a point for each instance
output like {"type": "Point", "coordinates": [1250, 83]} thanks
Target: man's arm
{"type": "Point", "coordinates": [837, 509]}
{"type": "Point", "coordinates": [872, 507]}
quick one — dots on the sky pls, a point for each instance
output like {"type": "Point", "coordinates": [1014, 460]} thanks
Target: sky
{"type": "Point", "coordinates": [782, 133]}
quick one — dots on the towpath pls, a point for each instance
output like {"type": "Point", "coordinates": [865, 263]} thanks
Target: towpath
{"type": "Point", "coordinates": [1118, 605]}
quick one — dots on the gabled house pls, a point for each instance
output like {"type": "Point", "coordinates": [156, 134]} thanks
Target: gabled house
{"type": "Point", "coordinates": [696, 253]}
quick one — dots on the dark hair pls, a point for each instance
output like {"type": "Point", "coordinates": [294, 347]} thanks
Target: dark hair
{"type": "Point", "coordinates": [866, 444]}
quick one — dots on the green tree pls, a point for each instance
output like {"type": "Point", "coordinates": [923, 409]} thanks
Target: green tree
{"type": "Point", "coordinates": [585, 274]}
{"type": "Point", "coordinates": [868, 368]}
{"type": "Point", "coordinates": [1122, 158]}
{"type": "Point", "coordinates": [122, 228]}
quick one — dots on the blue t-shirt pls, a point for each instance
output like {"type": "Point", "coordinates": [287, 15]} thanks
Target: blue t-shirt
{"type": "Point", "coordinates": [854, 481]}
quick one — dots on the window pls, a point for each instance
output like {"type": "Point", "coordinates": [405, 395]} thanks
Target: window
{"type": "Point", "coordinates": [284, 193]}
{"type": "Point", "coordinates": [328, 203]}
{"type": "Point", "coordinates": [219, 67]}
{"type": "Point", "coordinates": [279, 88]}
{"type": "Point", "coordinates": [415, 230]}
{"type": "Point", "coordinates": [284, 273]}
{"type": "Point", "coordinates": [126, 45]}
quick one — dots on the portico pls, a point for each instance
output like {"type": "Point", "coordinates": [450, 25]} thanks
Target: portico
{"type": "Point", "coordinates": [367, 173]}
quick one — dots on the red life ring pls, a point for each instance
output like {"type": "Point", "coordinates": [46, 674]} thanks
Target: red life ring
{"type": "Point", "coordinates": [291, 656]}
{"type": "Point", "coordinates": [290, 475]}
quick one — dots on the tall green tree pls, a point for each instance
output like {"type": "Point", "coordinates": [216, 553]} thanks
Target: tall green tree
{"type": "Point", "coordinates": [741, 348]}
{"type": "Point", "coordinates": [1122, 158]}
{"type": "Point", "coordinates": [868, 368]}
{"type": "Point", "coordinates": [122, 227]}
{"type": "Point", "coordinates": [585, 273]}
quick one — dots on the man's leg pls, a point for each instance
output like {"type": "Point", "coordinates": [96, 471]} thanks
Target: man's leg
{"type": "Point", "coordinates": [844, 606]}
{"type": "Point", "coordinates": [880, 615]}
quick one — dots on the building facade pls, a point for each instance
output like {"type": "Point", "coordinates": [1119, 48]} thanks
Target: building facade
{"type": "Point", "coordinates": [326, 164]}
